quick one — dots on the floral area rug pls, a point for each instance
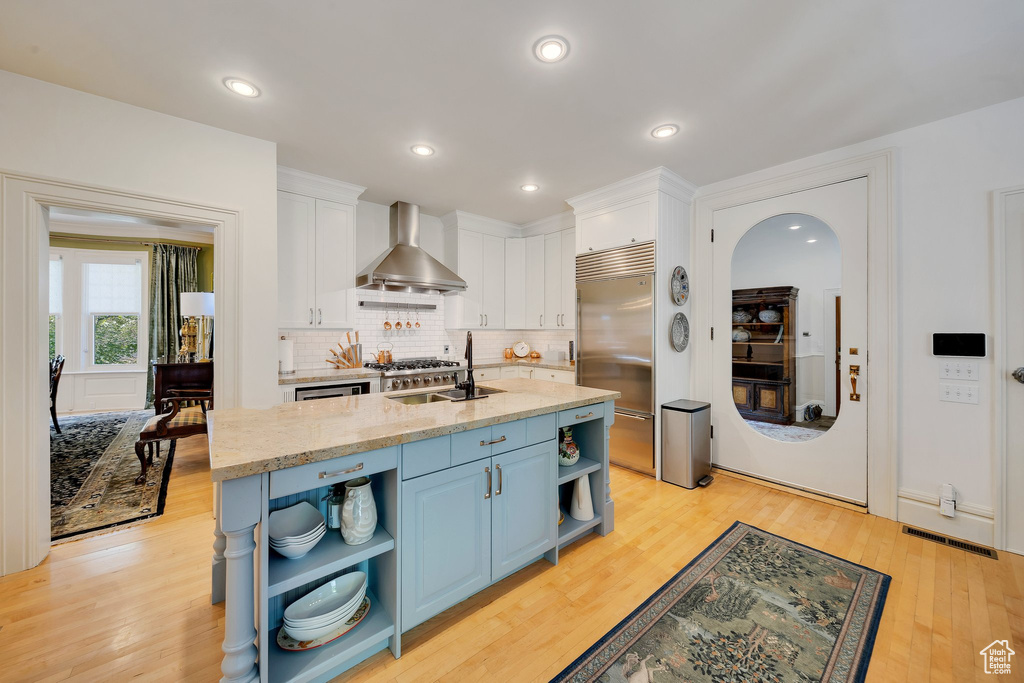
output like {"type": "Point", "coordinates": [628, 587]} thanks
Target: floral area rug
{"type": "Point", "coordinates": [752, 607]}
{"type": "Point", "coordinates": [92, 474]}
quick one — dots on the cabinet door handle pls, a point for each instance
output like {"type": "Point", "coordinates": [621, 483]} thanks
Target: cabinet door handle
{"type": "Point", "coordinates": [497, 491]}
{"type": "Point", "coordinates": [350, 470]}
{"type": "Point", "coordinates": [488, 443]}
{"type": "Point", "coordinates": [481, 320]}
{"type": "Point", "coordinates": [584, 417]}
{"type": "Point", "coordinates": [487, 471]}
{"type": "Point", "coordinates": [319, 316]}
{"type": "Point", "coordinates": [311, 316]}
{"type": "Point", "coordinates": [485, 320]}
{"type": "Point", "coordinates": [542, 320]}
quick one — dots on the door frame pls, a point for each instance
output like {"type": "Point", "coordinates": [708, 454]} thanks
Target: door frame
{"type": "Point", "coordinates": [829, 343]}
{"type": "Point", "coordinates": [1000, 486]}
{"type": "Point", "coordinates": [879, 169]}
{"type": "Point", "coordinates": [24, 398]}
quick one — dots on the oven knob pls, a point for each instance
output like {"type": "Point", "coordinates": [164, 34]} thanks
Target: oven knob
{"type": "Point", "coordinates": [415, 380]}
{"type": "Point", "coordinates": [437, 378]}
{"type": "Point", "coordinates": [406, 382]}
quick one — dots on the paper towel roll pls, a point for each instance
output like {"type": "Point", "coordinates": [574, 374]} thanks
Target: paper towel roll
{"type": "Point", "coordinates": [285, 356]}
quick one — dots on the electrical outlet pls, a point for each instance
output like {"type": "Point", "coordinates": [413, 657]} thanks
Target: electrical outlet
{"type": "Point", "coordinates": [959, 393]}
{"type": "Point", "coordinates": [446, 347]}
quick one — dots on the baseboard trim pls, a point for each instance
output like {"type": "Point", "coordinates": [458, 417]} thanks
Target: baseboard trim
{"type": "Point", "coordinates": [789, 489]}
{"type": "Point", "coordinates": [933, 500]}
{"type": "Point", "coordinates": [921, 510]}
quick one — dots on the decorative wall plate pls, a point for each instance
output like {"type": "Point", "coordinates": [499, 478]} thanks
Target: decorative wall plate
{"type": "Point", "coordinates": [521, 349]}
{"type": "Point", "coordinates": [680, 286]}
{"type": "Point", "coordinates": [680, 332]}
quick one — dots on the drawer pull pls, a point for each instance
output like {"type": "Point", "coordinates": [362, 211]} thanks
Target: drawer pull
{"type": "Point", "coordinates": [350, 470]}
{"type": "Point", "coordinates": [488, 443]}
{"type": "Point", "coordinates": [487, 471]}
{"type": "Point", "coordinates": [584, 417]}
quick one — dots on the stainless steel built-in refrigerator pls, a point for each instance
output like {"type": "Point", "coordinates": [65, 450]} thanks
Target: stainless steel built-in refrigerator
{"type": "Point", "coordinates": [615, 328]}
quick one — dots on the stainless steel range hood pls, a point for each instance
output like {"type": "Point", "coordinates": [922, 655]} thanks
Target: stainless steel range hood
{"type": "Point", "coordinates": [405, 267]}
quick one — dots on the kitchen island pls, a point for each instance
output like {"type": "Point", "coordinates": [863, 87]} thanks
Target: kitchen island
{"type": "Point", "coordinates": [467, 493]}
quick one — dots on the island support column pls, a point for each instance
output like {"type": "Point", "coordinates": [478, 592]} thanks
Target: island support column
{"type": "Point", "coordinates": [218, 568]}
{"type": "Point", "coordinates": [238, 514]}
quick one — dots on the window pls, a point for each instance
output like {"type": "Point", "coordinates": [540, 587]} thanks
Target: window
{"type": "Point", "coordinates": [112, 312]}
{"type": "Point", "coordinates": [56, 305]}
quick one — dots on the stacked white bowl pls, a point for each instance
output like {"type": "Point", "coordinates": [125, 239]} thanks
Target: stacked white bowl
{"type": "Point", "coordinates": [327, 608]}
{"type": "Point", "coordinates": [295, 530]}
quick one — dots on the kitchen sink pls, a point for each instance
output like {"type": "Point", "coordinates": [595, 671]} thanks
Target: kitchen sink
{"type": "Point", "coordinates": [460, 395]}
{"type": "Point", "coordinates": [417, 399]}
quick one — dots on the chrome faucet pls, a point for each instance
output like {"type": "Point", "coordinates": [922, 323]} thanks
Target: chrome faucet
{"type": "Point", "coordinates": [469, 386]}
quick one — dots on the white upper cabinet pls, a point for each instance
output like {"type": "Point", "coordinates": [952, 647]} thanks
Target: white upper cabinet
{"type": "Point", "coordinates": [617, 226]}
{"type": "Point", "coordinates": [534, 291]}
{"type": "Point", "coordinates": [552, 281]}
{"type": "Point", "coordinates": [316, 230]}
{"type": "Point", "coordinates": [296, 251]}
{"type": "Point", "coordinates": [515, 283]}
{"type": "Point", "coordinates": [568, 312]}
{"type": "Point", "coordinates": [478, 259]}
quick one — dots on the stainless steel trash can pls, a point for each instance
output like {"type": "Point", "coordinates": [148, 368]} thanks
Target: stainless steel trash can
{"type": "Point", "coordinates": [686, 443]}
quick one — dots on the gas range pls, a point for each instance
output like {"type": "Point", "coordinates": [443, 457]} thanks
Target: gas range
{"type": "Point", "coordinates": [418, 372]}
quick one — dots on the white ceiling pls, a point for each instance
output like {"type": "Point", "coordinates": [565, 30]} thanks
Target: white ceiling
{"type": "Point", "coordinates": [348, 86]}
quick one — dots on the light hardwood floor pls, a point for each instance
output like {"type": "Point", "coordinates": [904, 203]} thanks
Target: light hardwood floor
{"type": "Point", "coordinates": [135, 604]}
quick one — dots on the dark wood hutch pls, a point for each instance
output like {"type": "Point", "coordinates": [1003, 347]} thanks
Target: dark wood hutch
{"type": "Point", "coordinates": [764, 354]}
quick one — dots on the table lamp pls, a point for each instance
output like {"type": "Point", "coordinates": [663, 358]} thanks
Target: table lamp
{"type": "Point", "coordinates": [197, 329]}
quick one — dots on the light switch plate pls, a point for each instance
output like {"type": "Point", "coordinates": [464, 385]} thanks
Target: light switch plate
{"type": "Point", "coordinates": [959, 393]}
{"type": "Point", "coordinates": [965, 370]}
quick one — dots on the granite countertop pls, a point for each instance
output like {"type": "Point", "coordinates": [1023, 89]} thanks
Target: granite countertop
{"type": "Point", "coordinates": [531, 362]}
{"type": "Point", "coordinates": [327, 375]}
{"type": "Point", "coordinates": [246, 441]}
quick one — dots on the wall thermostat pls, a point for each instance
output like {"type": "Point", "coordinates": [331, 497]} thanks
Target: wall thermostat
{"type": "Point", "coordinates": [960, 344]}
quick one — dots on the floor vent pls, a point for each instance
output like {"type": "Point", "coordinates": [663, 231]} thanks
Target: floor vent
{"type": "Point", "coordinates": [951, 542]}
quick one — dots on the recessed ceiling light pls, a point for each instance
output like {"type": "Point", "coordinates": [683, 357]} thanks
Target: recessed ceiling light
{"type": "Point", "coordinates": [240, 87]}
{"type": "Point", "coordinates": [530, 187]}
{"type": "Point", "coordinates": [794, 227]}
{"type": "Point", "coordinates": [811, 241]}
{"type": "Point", "coordinates": [422, 150]}
{"type": "Point", "coordinates": [551, 48]}
{"type": "Point", "coordinates": [666, 131]}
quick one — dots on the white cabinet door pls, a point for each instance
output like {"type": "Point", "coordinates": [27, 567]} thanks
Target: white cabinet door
{"type": "Point", "coordinates": [509, 372]}
{"type": "Point", "coordinates": [296, 248]}
{"type": "Point", "coordinates": [552, 280]}
{"type": "Point", "coordinates": [335, 263]}
{"type": "Point", "coordinates": [534, 282]}
{"type": "Point", "coordinates": [616, 226]}
{"type": "Point", "coordinates": [525, 372]}
{"type": "Point", "coordinates": [568, 318]}
{"type": "Point", "coordinates": [515, 283]}
{"type": "Point", "coordinates": [471, 269]}
{"type": "Point", "coordinates": [493, 264]}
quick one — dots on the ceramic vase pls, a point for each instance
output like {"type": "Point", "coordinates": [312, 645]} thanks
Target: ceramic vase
{"type": "Point", "coordinates": [568, 451]}
{"type": "Point", "coordinates": [582, 507]}
{"type": "Point", "coordinates": [359, 512]}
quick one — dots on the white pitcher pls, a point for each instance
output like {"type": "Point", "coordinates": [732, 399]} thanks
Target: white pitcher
{"type": "Point", "coordinates": [582, 507]}
{"type": "Point", "coordinates": [358, 512]}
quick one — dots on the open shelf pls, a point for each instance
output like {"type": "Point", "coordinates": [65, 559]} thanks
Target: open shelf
{"type": "Point", "coordinates": [372, 631]}
{"type": "Point", "coordinates": [583, 466]}
{"type": "Point", "coordinates": [329, 556]}
{"type": "Point", "coordinates": [571, 529]}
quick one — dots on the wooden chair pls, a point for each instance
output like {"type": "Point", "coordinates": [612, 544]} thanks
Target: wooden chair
{"type": "Point", "coordinates": [176, 424]}
{"type": "Point", "coordinates": [56, 368]}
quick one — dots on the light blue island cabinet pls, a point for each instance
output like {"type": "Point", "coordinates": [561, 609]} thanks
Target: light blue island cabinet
{"type": "Point", "coordinates": [457, 511]}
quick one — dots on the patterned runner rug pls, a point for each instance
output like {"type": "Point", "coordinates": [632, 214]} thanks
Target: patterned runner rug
{"type": "Point", "coordinates": [752, 607]}
{"type": "Point", "coordinates": [92, 474]}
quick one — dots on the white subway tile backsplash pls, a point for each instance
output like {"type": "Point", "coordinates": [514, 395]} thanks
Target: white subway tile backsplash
{"type": "Point", "coordinates": [428, 340]}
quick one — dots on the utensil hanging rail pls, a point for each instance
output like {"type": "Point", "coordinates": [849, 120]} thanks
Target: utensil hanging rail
{"type": "Point", "coordinates": [386, 305]}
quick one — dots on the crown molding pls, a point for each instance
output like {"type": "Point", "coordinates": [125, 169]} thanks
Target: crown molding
{"type": "Point", "coordinates": [543, 226]}
{"type": "Point", "coordinates": [470, 221]}
{"type": "Point", "coordinates": [321, 187]}
{"type": "Point", "coordinates": [111, 230]}
{"type": "Point", "coordinates": [658, 179]}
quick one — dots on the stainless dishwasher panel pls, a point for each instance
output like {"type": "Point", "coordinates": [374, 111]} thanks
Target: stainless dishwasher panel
{"type": "Point", "coordinates": [632, 441]}
{"type": "Point", "coordinates": [332, 391]}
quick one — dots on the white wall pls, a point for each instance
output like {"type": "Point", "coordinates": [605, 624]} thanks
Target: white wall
{"type": "Point", "coordinates": [946, 172]}
{"type": "Point", "coordinates": [772, 255]}
{"type": "Point", "coordinates": [54, 132]}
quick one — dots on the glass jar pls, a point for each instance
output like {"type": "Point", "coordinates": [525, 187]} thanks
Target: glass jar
{"type": "Point", "coordinates": [335, 499]}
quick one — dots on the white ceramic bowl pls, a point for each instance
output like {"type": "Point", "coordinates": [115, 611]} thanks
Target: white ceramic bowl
{"type": "Point", "coordinates": [296, 551]}
{"type": "Point", "coordinates": [312, 633]}
{"type": "Point", "coordinates": [341, 614]}
{"type": "Point", "coordinates": [295, 521]}
{"type": "Point", "coordinates": [293, 540]}
{"type": "Point", "coordinates": [329, 598]}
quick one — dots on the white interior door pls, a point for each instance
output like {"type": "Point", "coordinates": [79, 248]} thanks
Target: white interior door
{"type": "Point", "coordinates": [1014, 358]}
{"type": "Point", "coordinates": [832, 462]}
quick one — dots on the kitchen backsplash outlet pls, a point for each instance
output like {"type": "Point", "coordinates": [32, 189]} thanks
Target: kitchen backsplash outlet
{"type": "Point", "coordinates": [428, 340]}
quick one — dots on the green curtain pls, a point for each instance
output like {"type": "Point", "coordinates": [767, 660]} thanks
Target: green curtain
{"type": "Point", "coordinates": [173, 270]}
